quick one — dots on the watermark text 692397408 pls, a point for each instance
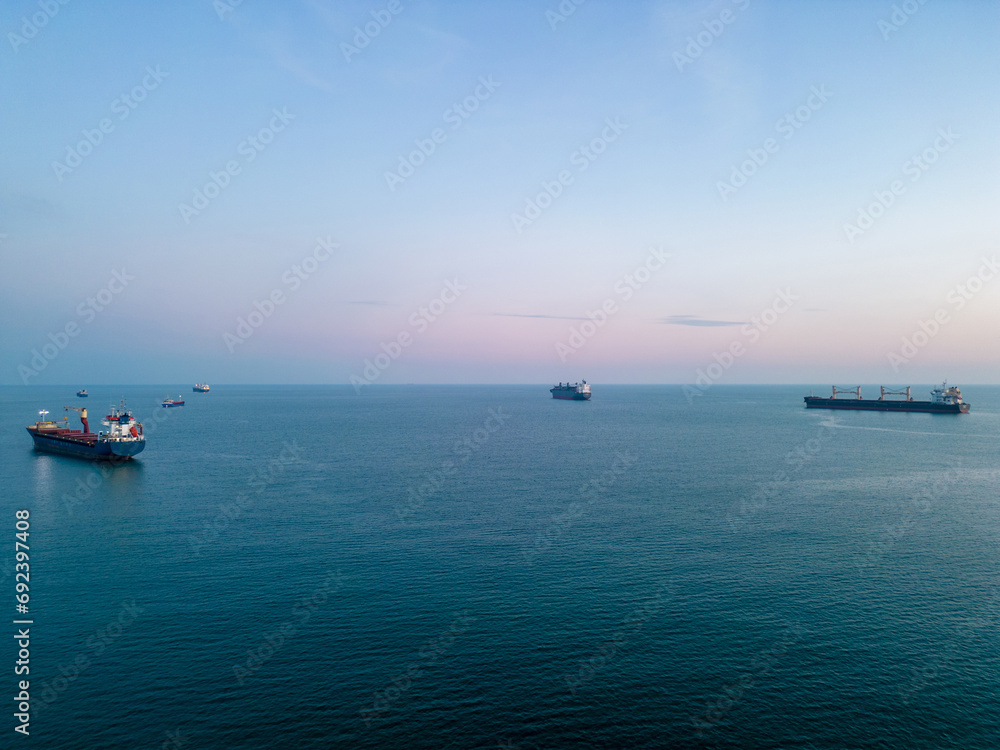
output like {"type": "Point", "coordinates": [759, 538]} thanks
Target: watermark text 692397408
{"type": "Point", "coordinates": [22, 702]}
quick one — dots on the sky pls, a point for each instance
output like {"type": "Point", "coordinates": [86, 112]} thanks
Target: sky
{"type": "Point", "coordinates": [499, 192]}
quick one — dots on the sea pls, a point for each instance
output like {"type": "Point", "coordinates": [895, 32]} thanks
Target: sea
{"type": "Point", "coordinates": [483, 566]}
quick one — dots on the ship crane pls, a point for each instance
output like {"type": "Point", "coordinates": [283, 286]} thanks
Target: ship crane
{"type": "Point", "coordinates": [887, 392]}
{"type": "Point", "coordinates": [856, 390]}
{"type": "Point", "coordinates": [83, 416]}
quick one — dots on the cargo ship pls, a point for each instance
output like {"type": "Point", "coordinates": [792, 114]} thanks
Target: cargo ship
{"type": "Point", "coordinates": [168, 402]}
{"type": "Point", "coordinates": [571, 392]}
{"type": "Point", "coordinates": [122, 440]}
{"type": "Point", "coordinates": [82, 393]}
{"type": "Point", "coordinates": [200, 388]}
{"type": "Point", "coordinates": [944, 400]}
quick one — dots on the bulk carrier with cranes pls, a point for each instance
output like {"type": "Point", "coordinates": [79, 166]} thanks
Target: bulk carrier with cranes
{"type": "Point", "coordinates": [944, 400]}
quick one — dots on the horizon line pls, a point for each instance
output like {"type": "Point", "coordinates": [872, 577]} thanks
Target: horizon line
{"type": "Point", "coordinates": [405, 385]}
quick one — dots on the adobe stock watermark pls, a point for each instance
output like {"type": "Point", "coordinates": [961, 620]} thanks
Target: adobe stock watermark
{"type": "Point", "coordinates": [264, 476]}
{"type": "Point", "coordinates": [292, 278]}
{"type": "Point", "coordinates": [630, 626]}
{"type": "Point", "coordinates": [48, 9]}
{"type": "Point", "coordinates": [420, 319]}
{"type": "Point", "coordinates": [455, 116]}
{"type": "Point", "coordinates": [733, 693]}
{"type": "Point", "coordinates": [88, 310]}
{"type": "Point", "coordinates": [222, 7]}
{"type": "Point", "coordinates": [462, 451]}
{"type": "Point", "coordinates": [429, 653]}
{"type": "Point", "coordinates": [95, 477]}
{"type": "Point", "coordinates": [786, 127]}
{"type": "Point", "coordinates": [914, 168]}
{"type": "Point", "coordinates": [940, 486]}
{"type": "Point", "coordinates": [364, 36]}
{"type": "Point", "coordinates": [625, 287]}
{"type": "Point", "coordinates": [759, 324]}
{"type": "Point", "coordinates": [957, 648]}
{"type": "Point", "coordinates": [581, 158]}
{"type": "Point", "coordinates": [273, 640]}
{"type": "Point", "coordinates": [958, 297]}
{"type": "Point", "coordinates": [122, 106]}
{"type": "Point", "coordinates": [96, 645]}
{"type": "Point", "coordinates": [175, 740]}
{"type": "Point", "coordinates": [562, 12]}
{"type": "Point", "coordinates": [591, 491]}
{"type": "Point", "coordinates": [697, 44]}
{"type": "Point", "coordinates": [249, 148]}
{"type": "Point", "coordinates": [768, 492]}
{"type": "Point", "coordinates": [897, 19]}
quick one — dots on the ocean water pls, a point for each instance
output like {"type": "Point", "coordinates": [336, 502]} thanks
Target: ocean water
{"type": "Point", "coordinates": [485, 567]}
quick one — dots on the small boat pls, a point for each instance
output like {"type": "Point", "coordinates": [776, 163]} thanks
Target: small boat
{"type": "Point", "coordinates": [82, 393]}
{"type": "Point", "coordinates": [200, 388]}
{"type": "Point", "coordinates": [168, 402]}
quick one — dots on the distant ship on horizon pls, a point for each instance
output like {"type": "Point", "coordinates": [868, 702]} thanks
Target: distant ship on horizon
{"type": "Point", "coordinates": [571, 392]}
{"type": "Point", "coordinates": [200, 388]}
{"type": "Point", "coordinates": [944, 400]}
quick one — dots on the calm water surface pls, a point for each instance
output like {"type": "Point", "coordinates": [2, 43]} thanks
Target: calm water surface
{"type": "Point", "coordinates": [485, 567]}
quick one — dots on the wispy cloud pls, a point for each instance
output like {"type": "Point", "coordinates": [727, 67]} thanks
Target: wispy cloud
{"type": "Point", "coordinates": [281, 46]}
{"type": "Point", "coordinates": [281, 52]}
{"type": "Point", "coordinates": [550, 317]}
{"type": "Point", "coordinates": [694, 320]}
{"type": "Point", "coordinates": [447, 48]}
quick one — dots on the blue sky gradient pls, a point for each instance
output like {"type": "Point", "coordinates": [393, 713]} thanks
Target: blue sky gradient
{"type": "Point", "coordinates": [865, 94]}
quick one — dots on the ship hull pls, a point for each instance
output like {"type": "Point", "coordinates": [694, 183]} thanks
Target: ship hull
{"type": "Point", "coordinates": [927, 407]}
{"type": "Point", "coordinates": [95, 450]}
{"type": "Point", "coordinates": [570, 396]}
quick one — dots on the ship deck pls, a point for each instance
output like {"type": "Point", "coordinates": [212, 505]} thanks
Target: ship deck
{"type": "Point", "coordinates": [60, 433]}
{"type": "Point", "coordinates": [863, 404]}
